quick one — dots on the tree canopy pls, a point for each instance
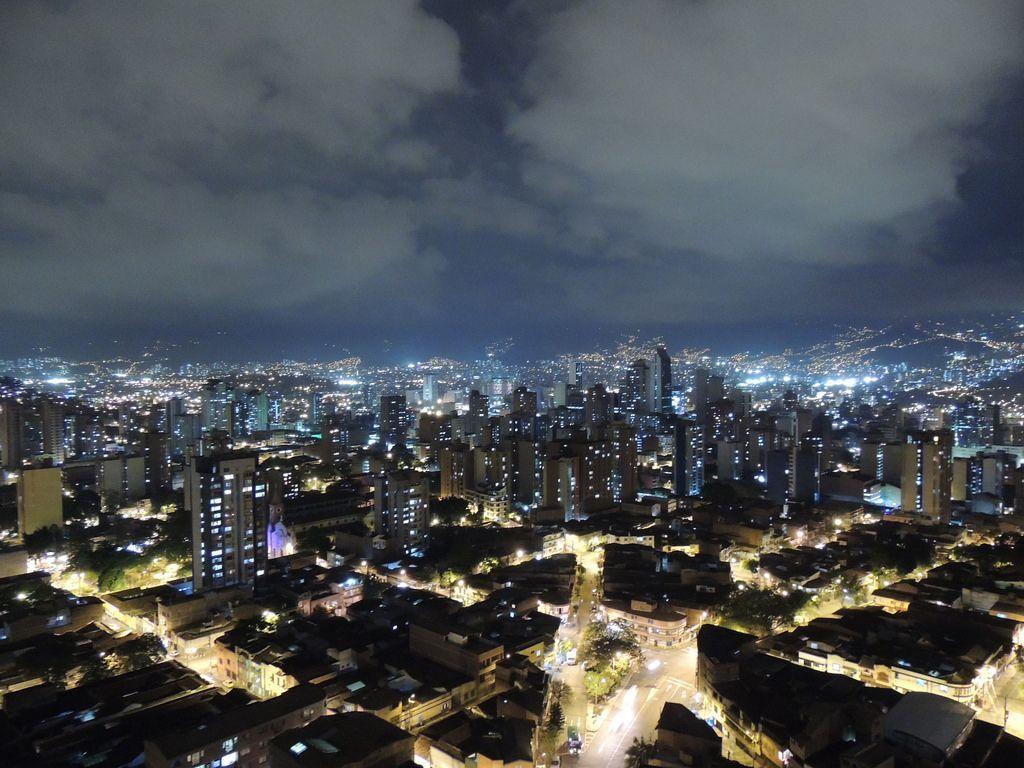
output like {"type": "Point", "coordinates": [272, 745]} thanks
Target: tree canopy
{"type": "Point", "coordinates": [763, 610]}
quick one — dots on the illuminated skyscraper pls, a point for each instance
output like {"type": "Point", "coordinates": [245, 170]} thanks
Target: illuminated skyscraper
{"type": "Point", "coordinates": [598, 406]}
{"type": "Point", "coordinates": [575, 378]}
{"type": "Point", "coordinates": [217, 399]}
{"type": "Point", "coordinates": [430, 389]}
{"type": "Point", "coordinates": [524, 401]}
{"type": "Point", "coordinates": [400, 509]}
{"type": "Point", "coordinates": [12, 419]}
{"type": "Point", "coordinates": [659, 385]}
{"type": "Point", "coordinates": [223, 498]}
{"type": "Point", "coordinates": [634, 391]}
{"type": "Point", "coordinates": [927, 478]}
{"type": "Point", "coordinates": [394, 419]}
{"type": "Point", "coordinates": [52, 414]}
{"type": "Point", "coordinates": [687, 458]}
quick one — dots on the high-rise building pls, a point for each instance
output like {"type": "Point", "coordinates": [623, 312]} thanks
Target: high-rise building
{"type": "Point", "coordinates": [314, 410]}
{"type": "Point", "coordinates": [250, 413]}
{"type": "Point", "coordinates": [974, 423]}
{"type": "Point", "coordinates": [173, 408]}
{"type": "Point", "coordinates": [185, 432]}
{"type": "Point", "coordinates": [120, 479]}
{"type": "Point", "coordinates": [687, 458]}
{"type": "Point", "coordinates": [223, 496]}
{"type": "Point", "coordinates": [700, 391]}
{"type": "Point", "coordinates": [578, 477]}
{"type": "Point", "coordinates": [524, 401]}
{"type": "Point", "coordinates": [335, 438]}
{"type": "Point", "coordinates": [622, 444]}
{"type": "Point", "coordinates": [871, 456]}
{"type": "Point", "coordinates": [156, 452]}
{"type": "Point", "coordinates": [634, 391]}
{"type": "Point", "coordinates": [430, 389]}
{"type": "Point", "coordinates": [560, 393]}
{"type": "Point", "coordinates": [575, 374]}
{"type": "Point", "coordinates": [455, 462]}
{"type": "Point", "coordinates": [927, 478]}
{"type": "Point", "coordinates": [659, 385]}
{"type": "Point", "coordinates": [400, 502]}
{"type": "Point", "coordinates": [12, 420]}
{"type": "Point", "coordinates": [40, 499]}
{"type": "Point", "coordinates": [479, 405]}
{"type": "Point", "coordinates": [598, 406]}
{"type": "Point", "coordinates": [394, 419]}
{"type": "Point", "coordinates": [720, 420]}
{"type": "Point", "coordinates": [52, 414]}
{"type": "Point", "coordinates": [217, 398]}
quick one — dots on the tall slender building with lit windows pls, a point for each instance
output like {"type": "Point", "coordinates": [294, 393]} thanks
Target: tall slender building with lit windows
{"type": "Point", "coordinates": [687, 458]}
{"type": "Point", "coordinates": [223, 495]}
{"type": "Point", "coordinates": [217, 399]}
{"type": "Point", "coordinates": [634, 391]}
{"type": "Point", "coordinates": [12, 421]}
{"type": "Point", "coordinates": [659, 383]}
{"type": "Point", "coordinates": [400, 509]}
{"type": "Point", "coordinates": [927, 479]}
{"type": "Point", "coordinates": [394, 420]}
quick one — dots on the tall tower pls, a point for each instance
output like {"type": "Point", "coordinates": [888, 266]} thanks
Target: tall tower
{"type": "Point", "coordinates": [634, 393]}
{"type": "Point", "coordinates": [40, 499]}
{"type": "Point", "coordinates": [217, 398]}
{"type": "Point", "coordinates": [430, 389]}
{"type": "Point", "coordinates": [687, 458]}
{"type": "Point", "coordinates": [659, 386]}
{"type": "Point", "coordinates": [223, 495]}
{"type": "Point", "coordinates": [393, 419]}
{"type": "Point", "coordinates": [597, 406]}
{"type": "Point", "coordinates": [575, 374]}
{"type": "Point", "coordinates": [53, 430]}
{"type": "Point", "coordinates": [400, 509]}
{"type": "Point", "coordinates": [12, 420]}
{"type": "Point", "coordinates": [524, 401]}
{"type": "Point", "coordinates": [927, 478]}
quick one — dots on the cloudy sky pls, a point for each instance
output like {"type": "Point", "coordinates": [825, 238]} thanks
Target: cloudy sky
{"type": "Point", "coordinates": [265, 178]}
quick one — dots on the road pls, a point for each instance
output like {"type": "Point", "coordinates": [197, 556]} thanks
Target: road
{"type": "Point", "coordinates": [667, 675]}
{"type": "Point", "coordinates": [575, 705]}
{"type": "Point", "coordinates": [1006, 707]}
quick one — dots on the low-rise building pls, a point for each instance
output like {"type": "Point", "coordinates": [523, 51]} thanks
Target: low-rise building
{"type": "Point", "coordinates": [347, 740]}
{"type": "Point", "coordinates": [239, 736]}
{"type": "Point", "coordinates": [654, 624]}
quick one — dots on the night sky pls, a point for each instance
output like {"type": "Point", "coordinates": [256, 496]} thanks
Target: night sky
{"type": "Point", "coordinates": [397, 177]}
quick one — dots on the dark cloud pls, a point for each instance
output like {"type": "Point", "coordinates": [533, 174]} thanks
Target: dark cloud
{"type": "Point", "coordinates": [450, 171]}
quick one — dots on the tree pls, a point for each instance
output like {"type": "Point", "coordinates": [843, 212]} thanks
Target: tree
{"type": "Point", "coordinates": [604, 643]}
{"type": "Point", "coordinates": [139, 653]}
{"type": "Point", "coordinates": [113, 578]}
{"type": "Point", "coordinates": [599, 683]}
{"type": "Point", "coordinates": [449, 510]}
{"type": "Point", "coordinates": [639, 752]}
{"type": "Point", "coordinates": [763, 610]}
{"type": "Point", "coordinates": [43, 539]}
{"type": "Point", "coordinates": [556, 719]}
{"type": "Point", "coordinates": [560, 692]}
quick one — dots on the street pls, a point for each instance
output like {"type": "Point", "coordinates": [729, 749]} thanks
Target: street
{"type": "Point", "coordinates": [633, 712]}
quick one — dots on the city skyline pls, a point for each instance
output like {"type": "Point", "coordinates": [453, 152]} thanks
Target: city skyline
{"type": "Point", "coordinates": [442, 171]}
{"type": "Point", "coordinates": [511, 384]}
